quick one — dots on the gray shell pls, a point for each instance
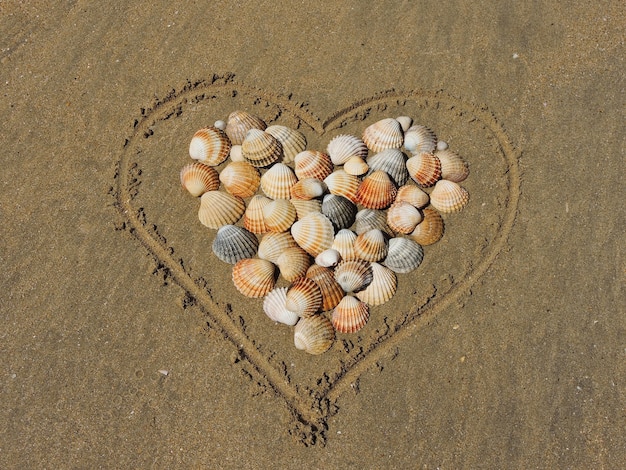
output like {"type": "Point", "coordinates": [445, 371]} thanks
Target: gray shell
{"type": "Point", "coordinates": [339, 210]}
{"type": "Point", "coordinates": [404, 255]}
{"type": "Point", "coordinates": [392, 162]}
{"type": "Point", "coordinates": [368, 219]}
{"type": "Point", "coordinates": [233, 243]}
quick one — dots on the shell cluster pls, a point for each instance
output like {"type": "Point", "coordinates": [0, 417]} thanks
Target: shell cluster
{"type": "Point", "coordinates": [338, 225]}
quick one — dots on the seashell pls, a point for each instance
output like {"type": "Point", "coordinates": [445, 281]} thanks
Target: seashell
{"type": "Point", "coordinates": [274, 307]}
{"type": "Point", "coordinates": [254, 277]}
{"type": "Point", "coordinates": [308, 188]}
{"type": "Point", "coordinates": [272, 245]}
{"type": "Point", "coordinates": [253, 219]}
{"type": "Point", "coordinates": [424, 168]}
{"type": "Point", "coordinates": [350, 315]}
{"type": "Point", "coordinates": [240, 179]}
{"type": "Point", "coordinates": [344, 244]}
{"type": "Point", "coordinates": [342, 184]}
{"type": "Point", "coordinates": [198, 178]}
{"type": "Point", "coordinates": [239, 123]}
{"type": "Point", "coordinates": [367, 219]}
{"type": "Point", "coordinates": [418, 139]}
{"type": "Point", "coordinates": [430, 229]}
{"type": "Point", "coordinates": [413, 195]}
{"type": "Point", "coordinates": [210, 146]}
{"type": "Point", "coordinates": [314, 233]}
{"type": "Point", "coordinates": [328, 258]}
{"type": "Point", "coordinates": [339, 210]}
{"type": "Point", "coordinates": [304, 297]}
{"type": "Point", "coordinates": [453, 167]}
{"type": "Point", "coordinates": [356, 166]}
{"type": "Point", "coordinates": [382, 288]}
{"type": "Point", "coordinates": [260, 149]}
{"type": "Point", "coordinates": [236, 155]}
{"type": "Point", "coordinates": [312, 164]}
{"type": "Point", "coordinates": [218, 208]}
{"type": "Point", "coordinates": [233, 243]}
{"type": "Point", "coordinates": [371, 245]}
{"type": "Point", "coordinates": [292, 141]}
{"type": "Point", "coordinates": [276, 183]}
{"type": "Point", "coordinates": [293, 263]}
{"type": "Point", "coordinates": [403, 217]}
{"type": "Point", "coordinates": [384, 134]}
{"type": "Point", "coordinates": [448, 196]}
{"type": "Point", "coordinates": [343, 147]}
{"type": "Point", "coordinates": [306, 207]}
{"type": "Point", "coordinates": [376, 191]}
{"type": "Point", "coordinates": [331, 291]}
{"type": "Point", "coordinates": [314, 335]}
{"type": "Point", "coordinates": [392, 162]}
{"type": "Point", "coordinates": [279, 215]}
{"type": "Point", "coordinates": [405, 122]}
{"type": "Point", "coordinates": [353, 275]}
{"type": "Point", "coordinates": [404, 255]}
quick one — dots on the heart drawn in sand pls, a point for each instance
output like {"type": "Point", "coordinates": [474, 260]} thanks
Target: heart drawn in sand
{"type": "Point", "coordinates": [163, 217]}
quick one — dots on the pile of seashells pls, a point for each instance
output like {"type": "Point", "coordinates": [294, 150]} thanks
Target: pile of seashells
{"type": "Point", "coordinates": [338, 225]}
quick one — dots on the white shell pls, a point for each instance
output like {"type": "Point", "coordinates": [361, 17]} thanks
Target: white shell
{"type": "Point", "coordinates": [274, 307]}
{"type": "Point", "coordinates": [328, 258]}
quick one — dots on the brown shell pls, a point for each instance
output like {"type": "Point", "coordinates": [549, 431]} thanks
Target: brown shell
{"type": "Point", "coordinates": [312, 164]}
{"type": "Point", "coordinates": [453, 167]}
{"type": "Point", "coordinates": [218, 208]}
{"type": "Point", "coordinates": [254, 277]}
{"type": "Point", "coordinates": [253, 218]}
{"type": "Point", "coordinates": [260, 149]}
{"type": "Point", "coordinates": [210, 146]}
{"type": "Point", "coordinates": [341, 183]}
{"type": "Point", "coordinates": [424, 168]}
{"type": "Point", "coordinates": [430, 229]}
{"type": "Point", "coordinates": [314, 335]}
{"type": "Point", "coordinates": [240, 179]}
{"type": "Point", "coordinates": [448, 196]}
{"type": "Point", "coordinates": [382, 288]}
{"type": "Point", "coordinates": [276, 182]}
{"type": "Point", "coordinates": [304, 297]}
{"type": "Point", "coordinates": [371, 246]}
{"type": "Point", "coordinates": [350, 315]}
{"type": "Point", "coordinates": [239, 123]}
{"type": "Point", "coordinates": [292, 141]}
{"type": "Point", "coordinates": [198, 178]}
{"type": "Point", "coordinates": [293, 263]}
{"type": "Point", "coordinates": [331, 291]}
{"type": "Point", "coordinates": [384, 134]}
{"type": "Point", "coordinates": [376, 191]}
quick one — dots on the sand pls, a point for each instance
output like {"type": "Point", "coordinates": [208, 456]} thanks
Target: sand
{"type": "Point", "coordinates": [125, 343]}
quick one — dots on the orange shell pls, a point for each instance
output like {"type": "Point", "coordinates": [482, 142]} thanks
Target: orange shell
{"type": "Point", "coordinates": [331, 291]}
{"type": "Point", "coordinates": [448, 196]}
{"type": "Point", "coordinates": [210, 146]}
{"type": "Point", "coordinates": [424, 168]}
{"type": "Point", "coordinates": [350, 315]}
{"type": "Point", "coordinates": [304, 297]}
{"type": "Point", "coordinates": [240, 179]}
{"type": "Point", "coordinates": [312, 164]}
{"type": "Point", "coordinates": [276, 183]}
{"type": "Point", "coordinates": [403, 217]}
{"type": "Point", "coordinates": [198, 178]}
{"type": "Point", "coordinates": [254, 277]}
{"type": "Point", "coordinates": [341, 183]}
{"type": "Point", "coordinates": [430, 229]}
{"type": "Point", "coordinates": [376, 191]}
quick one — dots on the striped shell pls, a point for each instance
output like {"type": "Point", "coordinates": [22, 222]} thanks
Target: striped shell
{"type": "Point", "coordinates": [350, 315]}
{"type": "Point", "coordinates": [308, 188]}
{"type": "Point", "coordinates": [368, 219]}
{"type": "Point", "coordinates": [448, 196]}
{"type": "Point", "coordinates": [210, 146]}
{"type": "Point", "coordinates": [331, 291]}
{"type": "Point", "coordinates": [254, 277]}
{"type": "Point", "coordinates": [314, 335]}
{"type": "Point", "coordinates": [413, 195]}
{"type": "Point", "coordinates": [339, 210]}
{"type": "Point", "coordinates": [293, 263]}
{"type": "Point", "coordinates": [253, 218]}
{"type": "Point", "coordinates": [233, 243]}
{"type": "Point", "coordinates": [371, 245]}
{"type": "Point", "coordinates": [260, 149]}
{"type": "Point", "coordinates": [272, 245]}
{"type": "Point", "coordinates": [304, 297]}
{"type": "Point", "coordinates": [418, 139]}
{"type": "Point", "coordinates": [430, 229]}
{"type": "Point", "coordinates": [198, 178]}
{"type": "Point", "coordinates": [240, 179]}
{"type": "Point", "coordinates": [392, 162]}
{"type": "Point", "coordinates": [403, 217]}
{"type": "Point", "coordinates": [314, 233]}
{"type": "Point", "coordinates": [377, 191]}
{"type": "Point", "coordinates": [276, 182]}
{"type": "Point", "coordinates": [279, 215]}
{"type": "Point", "coordinates": [218, 208]}
{"type": "Point", "coordinates": [353, 275]}
{"type": "Point", "coordinates": [274, 307]}
{"type": "Point", "coordinates": [239, 123]}
{"type": "Point", "coordinates": [384, 134]}
{"type": "Point", "coordinates": [424, 168]}
{"type": "Point", "coordinates": [382, 288]}
{"type": "Point", "coordinates": [342, 184]}
{"type": "Point", "coordinates": [343, 147]}
{"type": "Point", "coordinates": [404, 255]}
{"type": "Point", "coordinates": [453, 167]}
{"type": "Point", "coordinates": [292, 141]}
{"type": "Point", "coordinates": [344, 244]}
{"type": "Point", "coordinates": [304, 207]}
{"type": "Point", "coordinates": [312, 164]}
{"type": "Point", "coordinates": [356, 166]}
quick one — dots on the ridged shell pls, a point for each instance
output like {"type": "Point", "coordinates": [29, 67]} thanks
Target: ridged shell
{"type": "Point", "coordinates": [384, 134]}
{"type": "Point", "coordinates": [233, 243]}
{"type": "Point", "coordinates": [404, 255]}
{"type": "Point", "coordinates": [274, 307]}
{"type": "Point", "coordinates": [343, 147]}
{"type": "Point", "coordinates": [350, 315]}
{"type": "Point", "coordinates": [314, 233]}
{"type": "Point", "coordinates": [328, 258]}
{"type": "Point", "coordinates": [403, 217]}
{"type": "Point", "coordinates": [405, 122]}
{"type": "Point", "coordinates": [276, 182]}
{"type": "Point", "coordinates": [344, 244]}
{"type": "Point", "coordinates": [353, 275]}
{"type": "Point", "coordinates": [312, 164]}
{"type": "Point", "coordinates": [382, 288]}
{"type": "Point", "coordinates": [218, 208]}
{"type": "Point", "coordinates": [210, 146]}
{"type": "Point", "coordinates": [272, 245]}
{"type": "Point", "coordinates": [332, 293]}
{"type": "Point", "coordinates": [356, 166]}
{"type": "Point", "coordinates": [413, 195]}
{"type": "Point", "coordinates": [292, 141]}
{"type": "Point", "coordinates": [254, 277]}
{"type": "Point", "coordinates": [239, 123]}
{"type": "Point", "coordinates": [253, 218]}
{"type": "Point", "coordinates": [306, 207]}
{"type": "Point", "coordinates": [367, 219]}
{"type": "Point", "coordinates": [377, 191]}
{"type": "Point", "coordinates": [293, 263]}
{"type": "Point", "coordinates": [260, 149]}
{"type": "Point", "coordinates": [453, 167]}
{"type": "Point", "coordinates": [198, 178]}
{"type": "Point", "coordinates": [371, 245]}
{"type": "Point", "coordinates": [304, 297]}
{"type": "Point", "coordinates": [279, 215]}
{"type": "Point", "coordinates": [418, 139]}
{"type": "Point", "coordinates": [448, 196]}
{"type": "Point", "coordinates": [339, 210]}
{"type": "Point", "coordinates": [392, 162]}
{"type": "Point", "coordinates": [430, 229]}
{"type": "Point", "coordinates": [342, 184]}
{"type": "Point", "coordinates": [240, 179]}
{"type": "Point", "coordinates": [308, 188]}
{"type": "Point", "coordinates": [424, 168]}
{"type": "Point", "coordinates": [314, 335]}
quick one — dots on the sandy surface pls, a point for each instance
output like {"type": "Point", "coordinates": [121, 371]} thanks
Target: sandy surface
{"type": "Point", "coordinates": [124, 342]}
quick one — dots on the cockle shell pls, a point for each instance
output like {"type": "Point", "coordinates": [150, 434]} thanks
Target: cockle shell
{"type": "Point", "coordinates": [328, 258]}
{"type": "Point", "coordinates": [413, 195]}
{"type": "Point", "coordinates": [356, 166]}
{"type": "Point", "coordinates": [260, 149]}
{"type": "Point", "coordinates": [332, 293]}
{"type": "Point", "coordinates": [253, 218]}
{"type": "Point", "coordinates": [312, 164]}
{"type": "Point", "coordinates": [367, 219]}
{"type": "Point", "coordinates": [403, 217]}
{"type": "Point", "coordinates": [198, 178]}
{"type": "Point", "coordinates": [453, 167]}
{"type": "Point", "coordinates": [424, 168]}
{"type": "Point", "coordinates": [279, 215]}
{"type": "Point", "coordinates": [339, 210]}
{"type": "Point", "coordinates": [239, 123]}
{"type": "Point", "coordinates": [344, 244]}
{"type": "Point", "coordinates": [353, 275]}
{"type": "Point", "coordinates": [382, 288]}
{"type": "Point", "coordinates": [233, 243]}
{"type": "Point", "coordinates": [272, 245]}
{"type": "Point", "coordinates": [240, 179]}
{"type": "Point", "coordinates": [254, 277]}
{"type": "Point", "coordinates": [405, 122]}
{"type": "Point", "coordinates": [304, 207]}
{"type": "Point", "coordinates": [308, 188]}
{"type": "Point", "coordinates": [293, 263]}
{"type": "Point", "coordinates": [404, 255]}
{"type": "Point", "coordinates": [342, 184]}
{"type": "Point", "coordinates": [274, 307]}
{"type": "Point", "coordinates": [384, 134]}
{"type": "Point", "coordinates": [343, 147]}
{"type": "Point", "coordinates": [392, 162]}
{"type": "Point", "coordinates": [314, 233]}
{"type": "Point", "coordinates": [430, 229]}
{"type": "Point", "coordinates": [304, 297]}
{"type": "Point", "coordinates": [292, 141]}
{"type": "Point", "coordinates": [377, 191]}
{"type": "Point", "coordinates": [418, 139]}
{"type": "Point", "coordinates": [371, 245]}
{"type": "Point", "coordinates": [448, 196]}
{"type": "Point", "coordinates": [350, 315]}
{"type": "Point", "coordinates": [314, 335]}
{"type": "Point", "coordinates": [218, 208]}
{"type": "Point", "coordinates": [210, 146]}
{"type": "Point", "coordinates": [276, 182]}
